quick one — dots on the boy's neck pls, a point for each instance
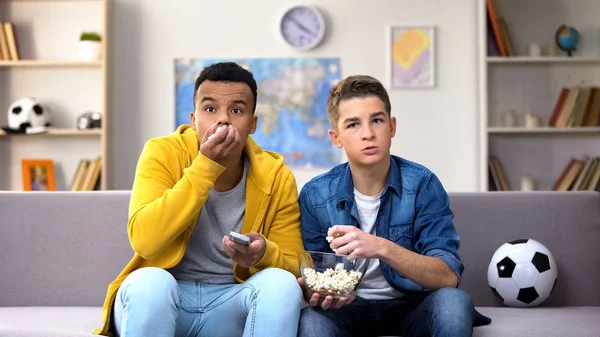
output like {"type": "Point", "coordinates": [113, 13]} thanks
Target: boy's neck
{"type": "Point", "coordinates": [370, 180]}
{"type": "Point", "coordinates": [229, 179]}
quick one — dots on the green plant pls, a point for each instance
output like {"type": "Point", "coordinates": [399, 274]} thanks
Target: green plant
{"type": "Point", "coordinates": [90, 36]}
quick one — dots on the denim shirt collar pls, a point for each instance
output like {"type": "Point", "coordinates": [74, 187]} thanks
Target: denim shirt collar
{"type": "Point", "coordinates": [346, 186]}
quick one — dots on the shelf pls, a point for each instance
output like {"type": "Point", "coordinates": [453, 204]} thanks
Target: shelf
{"type": "Point", "coordinates": [47, 34]}
{"type": "Point", "coordinates": [541, 59]}
{"type": "Point", "coordinates": [56, 63]}
{"type": "Point", "coordinates": [543, 130]}
{"type": "Point", "coordinates": [50, 0]}
{"type": "Point", "coordinates": [58, 132]}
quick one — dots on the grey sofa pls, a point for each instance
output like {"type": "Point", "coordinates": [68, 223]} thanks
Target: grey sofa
{"type": "Point", "coordinates": [60, 250]}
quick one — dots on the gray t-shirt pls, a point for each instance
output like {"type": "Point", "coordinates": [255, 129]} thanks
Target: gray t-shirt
{"type": "Point", "coordinates": [204, 259]}
{"type": "Point", "coordinates": [374, 286]}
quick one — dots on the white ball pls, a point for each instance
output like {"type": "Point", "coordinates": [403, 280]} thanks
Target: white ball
{"type": "Point", "coordinates": [28, 111]}
{"type": "Point", "coordinates": [522, 273]}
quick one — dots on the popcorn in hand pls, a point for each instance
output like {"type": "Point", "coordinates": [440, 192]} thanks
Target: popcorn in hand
{"type": "Point", "coordinates": [219, 129]}
{"type": "Point", "coordinates": [330, 238]}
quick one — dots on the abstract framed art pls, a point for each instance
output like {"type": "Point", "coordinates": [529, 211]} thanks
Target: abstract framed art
{"type": "Point", "coordinates": [411, 56]}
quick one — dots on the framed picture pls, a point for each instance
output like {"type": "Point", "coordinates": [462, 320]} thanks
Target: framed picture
{"type": "Point", "coordinates": [411, 56]}
{"type": "Point", "coordinates": [38, 175]}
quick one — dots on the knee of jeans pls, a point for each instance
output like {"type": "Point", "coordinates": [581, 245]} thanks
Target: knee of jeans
{"type": "Point", "coordinates": [452, 301]}
{"type": "Point", "coordinates": [309, 318]}
{"type": "Point", "coordinates": [285, 283]}
{"type": "Point", "coordinates": [150, 284]}
{"type": "Point", "coordinates": [315, 324]}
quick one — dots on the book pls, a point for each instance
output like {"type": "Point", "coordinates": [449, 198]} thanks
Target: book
{"type": "Point", "coordinates": [80, 174]}
{"type": "Point", "coordinates": [4, 53]}
{"type": "Point", "coordinates": [12, 43]}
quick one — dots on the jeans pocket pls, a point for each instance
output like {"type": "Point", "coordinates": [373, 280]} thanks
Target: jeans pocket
{"type": "Point", "coordinates": [190, 296]}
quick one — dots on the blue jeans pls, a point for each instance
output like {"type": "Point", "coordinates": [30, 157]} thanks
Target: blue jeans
{"type": "Point", "coordinates": [447, 312]}
{"type": "Point", "coordinates": [150, 302]}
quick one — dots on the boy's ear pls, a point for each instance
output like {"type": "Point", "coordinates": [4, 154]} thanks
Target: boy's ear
{"type": "Point", "coordinates": [393, 126]}
{"type": "Point", "coordinates": [193, 120]}
{"type": "Point", "coordinates": [335, 139]}
{"type": "Point", "coordinates": [253, 125]}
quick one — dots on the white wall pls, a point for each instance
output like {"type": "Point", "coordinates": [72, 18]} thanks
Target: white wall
{"type": "Point", "coordinates": [436, 127]}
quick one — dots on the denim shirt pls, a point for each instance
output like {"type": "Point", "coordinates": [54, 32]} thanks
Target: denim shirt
{"type": "Point", "coordinates": [414, 213]}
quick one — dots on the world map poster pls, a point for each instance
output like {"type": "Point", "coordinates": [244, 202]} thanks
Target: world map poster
{"type": "Point", "coordinates": [291, 104]}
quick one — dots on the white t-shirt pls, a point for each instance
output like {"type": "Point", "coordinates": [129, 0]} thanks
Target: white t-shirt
{"type": "Point", "coordinates": [374, 286]}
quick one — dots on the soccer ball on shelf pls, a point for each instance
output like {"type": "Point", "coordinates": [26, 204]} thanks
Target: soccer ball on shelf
{"type": "Point", "coordinates": [28, 115]}
{"type": "Point", "coordinates": [522, 273]}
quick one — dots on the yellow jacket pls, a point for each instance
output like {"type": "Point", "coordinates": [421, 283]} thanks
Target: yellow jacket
{"type": "Point", "coordinates": [171, 184]}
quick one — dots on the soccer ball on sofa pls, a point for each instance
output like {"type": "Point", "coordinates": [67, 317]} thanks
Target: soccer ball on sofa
{"type": "Point", "coordinates": [522, 273]}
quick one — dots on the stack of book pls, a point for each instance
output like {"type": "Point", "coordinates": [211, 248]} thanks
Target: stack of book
{"type": "Point", "coordinates": [580, 175]}
{"type": "Point", "coordinates": [87, 175]}
{"type": "Point", "coordinates": [577, 107]}
{"type": "Point", "coordinates": [499, 41]}
{"type": "Point", "coordinates": [498, 179]}
{"type": "Point", "coordinates": [8, 44]}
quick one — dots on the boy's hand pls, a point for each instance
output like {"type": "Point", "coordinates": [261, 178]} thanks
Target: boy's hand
{"type": "Point", "coordinates": [218, 144]}
{"type": "Point", "coordinates": [355, 243]}
{"type": "Point", "coordinates": [327, 302]}
{"type": "Point", "coordinates": [245, 256]}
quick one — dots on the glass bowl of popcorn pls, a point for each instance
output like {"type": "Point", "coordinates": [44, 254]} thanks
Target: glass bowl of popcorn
{"type": "Point", "coordinates": [330, 274]}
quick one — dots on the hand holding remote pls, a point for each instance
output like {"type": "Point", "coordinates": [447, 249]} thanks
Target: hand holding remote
{"type": "Point", "coordinates": [245, 255]}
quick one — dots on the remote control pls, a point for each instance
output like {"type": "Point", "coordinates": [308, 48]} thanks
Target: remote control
{"type": "Point", "coordinates": [239, 238]}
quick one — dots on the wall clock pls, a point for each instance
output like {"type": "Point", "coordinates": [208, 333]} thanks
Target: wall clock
{"type": "Point", "coordinates": [302, 27]}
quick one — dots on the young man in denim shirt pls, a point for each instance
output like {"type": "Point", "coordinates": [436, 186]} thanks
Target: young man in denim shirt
{"type": "Point", "coordinates": [392, 211]}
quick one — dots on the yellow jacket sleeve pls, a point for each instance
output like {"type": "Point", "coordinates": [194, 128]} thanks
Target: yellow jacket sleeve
{"type": "Point", "coordinates": [162, 207]}
{"type": "Point", "coordinates": [284, 239]}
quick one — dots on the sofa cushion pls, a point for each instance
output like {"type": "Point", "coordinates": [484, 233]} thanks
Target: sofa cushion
{"type": "Point", "coordinates": [506, 322]}
{"type": "Point", "coordinates": [540, 322]}
{"type": "Point", "coordinates": [567, 223]}
{"type": "Point", "coordinates": [49, 321]}
{"type": "Point", "coordinates": [63, 248]}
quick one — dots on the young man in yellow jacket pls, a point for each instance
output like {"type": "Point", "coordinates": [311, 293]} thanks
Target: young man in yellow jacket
{"type": "Point", "coordinates": [187, 277]}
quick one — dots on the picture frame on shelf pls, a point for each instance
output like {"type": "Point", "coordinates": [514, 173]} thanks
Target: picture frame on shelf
{"type": "Point", "coordinates": [38, 175]}
{"type": "Point", "coordinates": [411, 56]}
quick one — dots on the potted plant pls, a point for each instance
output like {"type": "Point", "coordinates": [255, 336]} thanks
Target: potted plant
{"type": "Point", "coordinates": [89, 46]}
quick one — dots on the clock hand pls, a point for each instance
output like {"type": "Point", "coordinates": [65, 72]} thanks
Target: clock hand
{"type": "Point", "coordinates": [302, 27]}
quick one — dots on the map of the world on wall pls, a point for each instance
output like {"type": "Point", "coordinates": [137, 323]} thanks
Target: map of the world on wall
{"type": "Point", "coordinates": [291, 107]}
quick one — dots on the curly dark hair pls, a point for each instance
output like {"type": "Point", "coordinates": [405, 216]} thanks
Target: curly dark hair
{"type": "Point", "coordinates": [226, 72]}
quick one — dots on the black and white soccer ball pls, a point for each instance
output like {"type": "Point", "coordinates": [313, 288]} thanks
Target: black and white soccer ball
{"type": "Point", "coordinates": [522, 273]}
{"type": "Point", "coordinates": [28, 115]}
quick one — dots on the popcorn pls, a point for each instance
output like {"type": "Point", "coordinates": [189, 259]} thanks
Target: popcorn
{"type": "Point", "coordinates": [330, 238]}
{"type": "Point", "coordinates": [332, 282]}
{"type": "Point", "coordinates": [219, 129]}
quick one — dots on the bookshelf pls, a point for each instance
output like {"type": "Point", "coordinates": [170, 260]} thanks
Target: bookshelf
{"type": "Point", "coordinates": [48, 68]}
{"type": "Point", "coordinates": [542, 59]}
{"type": "Point", "coordinates": [58, 132]}
{"type": "Point", "coordinates": [542, 130]}
{"type": "Point", "coordinates": [51, 63]}
{"type": "Point", "coordinates": [520, 85]}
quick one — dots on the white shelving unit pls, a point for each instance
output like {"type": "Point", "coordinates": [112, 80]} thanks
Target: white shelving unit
{"type": "Point", "coordinates": [59, 132]}
{"type": "Point", "coordinates": [47, 35]}
{"type": "Point", "coordinates": [542, 131]}
{"type": "Point", "coordinates": [542, 59]}
{"type": "Point", "coordinates": [524, 84]}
